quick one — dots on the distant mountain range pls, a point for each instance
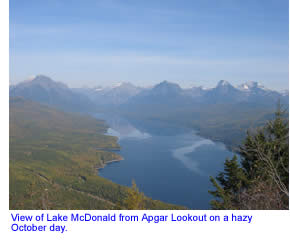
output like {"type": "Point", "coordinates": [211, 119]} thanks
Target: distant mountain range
{"type": "Point", "coordinates": [222, 113]}
{"type": "Point", "coordinates": [126, 95]}
{"type": "Point", "coordinates": [171, 95]}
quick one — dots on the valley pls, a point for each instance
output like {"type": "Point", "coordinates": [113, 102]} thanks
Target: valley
{"type": "Point", "coordinates": [222, 113]}
{"type": "Point", "coordinates": [163, 137]}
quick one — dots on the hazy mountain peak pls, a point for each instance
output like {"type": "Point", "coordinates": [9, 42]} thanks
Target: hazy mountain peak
{"type": "Point", "coordinates": [43, 81]}
{"type": "Point", "coordinates": [166, 84]}
{"type": "Point", "coordinates": [40, 77]}
{"type": "Point", "coordinates": [117, 85]}
{"type": "Point", "coordinates": [43, 89]}
{"type": "Point", "coordinates": [223, 83]}
{"type": "Point", "coordinates": [244, 87]}
{"type": "Point", "coordinates": [124, 85]}
{"type": "Point", "coordinates": [165, 89]}
{"type": "Point", "coordinates": [250, 85]}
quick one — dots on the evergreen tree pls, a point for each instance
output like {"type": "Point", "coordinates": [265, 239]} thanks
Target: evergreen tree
{"type": "Point", "coordinates": [264, 170]}
{"type": "Point", "coordinates": [250, 161]}
{"type": "Point", "coordinates": [231, 182]}
{"type": "Point", "coordinates": [277, 148]}
{"type": "Point", "coordinates": [267, 148]}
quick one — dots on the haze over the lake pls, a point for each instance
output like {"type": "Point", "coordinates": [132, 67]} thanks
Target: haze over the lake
{"type": "Point", "coordinates": [91, 43]}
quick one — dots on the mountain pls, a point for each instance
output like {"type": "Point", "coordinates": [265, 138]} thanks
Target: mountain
{"type": "Point", "coordinates": [110, 96]}
{"type": "Point", "coordinates": [172, 95]}
{"type": "Point", "coordinates": [252, 86]}
{"type": "Point", "coordinates": [165, 89]}
{"type": "Point", "coordinates": [165, 95]}
{"type": "Point", "coordinates": [127, 96]}
{"type": "Point", "coordinates": [257, 93]}
{"type": "Point", "coordinates": [222, 93]}
{"type": "Point", "coordinates": [162, 91]}
{"type": "Point", "coordinates": [222, 113]}
{"type": "Point", "coordinates": [44, 90]}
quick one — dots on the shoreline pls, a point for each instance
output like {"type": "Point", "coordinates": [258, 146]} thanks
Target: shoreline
{"type": "Point", "coordinates": [108, 162]}
{"type": "Point", "coordinates": [109, 149]}
{"type": "Point", "coordinates": [113, 149]}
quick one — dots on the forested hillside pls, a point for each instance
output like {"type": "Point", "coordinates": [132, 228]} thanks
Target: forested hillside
{"type": "Point", "coordinates": [54, 161]}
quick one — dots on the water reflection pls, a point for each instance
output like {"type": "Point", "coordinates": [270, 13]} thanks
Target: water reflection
{"type": "Point", "coordinates": [122, 128]}
{"type": "Point", "coordinates": [167, 163]}
{"type": "Point", "coordinates": [192, 164]}
{"type": "Point", "coordinates": [128, 133]}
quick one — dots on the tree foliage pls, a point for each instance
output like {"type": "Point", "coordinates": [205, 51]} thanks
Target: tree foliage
{"type": "Point", "coordinates": [135, 199]}
{"type": "Point", "coordinates": [261, 180]}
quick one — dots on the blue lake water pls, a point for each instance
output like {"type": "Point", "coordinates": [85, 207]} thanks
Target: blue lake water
{"type": "Point", "coordinates": [167, 163]}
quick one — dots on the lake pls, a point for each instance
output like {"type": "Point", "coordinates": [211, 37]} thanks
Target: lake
{"type": "Point", "coordinates": [167, 163]}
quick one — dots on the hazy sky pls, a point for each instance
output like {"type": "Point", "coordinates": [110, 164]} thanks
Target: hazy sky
{"type": "Point", "coordinates": [102, 42]}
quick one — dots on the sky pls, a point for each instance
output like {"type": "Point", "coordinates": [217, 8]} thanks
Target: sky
{"type": "Point", "coordinates": [192, 43]}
